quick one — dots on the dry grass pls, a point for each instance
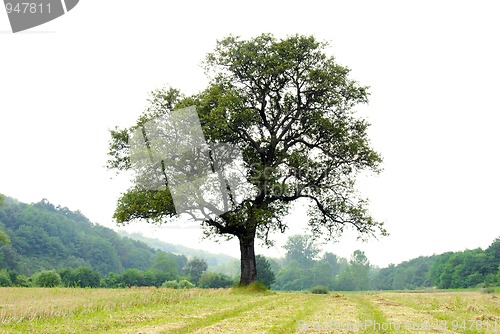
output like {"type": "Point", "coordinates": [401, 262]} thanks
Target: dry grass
{"type": "Point", "coordinates": [150, 310]}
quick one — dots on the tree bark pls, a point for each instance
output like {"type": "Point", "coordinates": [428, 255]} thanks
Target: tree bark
{"type": "Point", "coordinates": [248, 265]}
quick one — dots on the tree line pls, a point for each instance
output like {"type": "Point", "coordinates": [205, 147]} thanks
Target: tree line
{"type": "Point", "coordinates": [163, 273]}
{"type": "Point", "coordinates": [45, 245]}
{"type": "Point", "coordinates": [302, 268]}
{"type": "Point", "coordinates": [451, 270]}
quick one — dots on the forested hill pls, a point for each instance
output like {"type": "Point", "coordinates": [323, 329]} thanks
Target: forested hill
{"type": "Point", "coordinates": [42, 236]}
{"type": "Point", "coordinates": [213, 260]}
{"type": "Point", "coordinates": [465, 269]}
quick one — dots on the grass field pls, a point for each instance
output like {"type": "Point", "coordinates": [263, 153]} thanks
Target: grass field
{"type": "Point", "coordinates": [149, 310]}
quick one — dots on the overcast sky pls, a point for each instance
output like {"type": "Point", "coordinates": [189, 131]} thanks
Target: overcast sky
{"type": "Point", "coordinates": [432, 67]}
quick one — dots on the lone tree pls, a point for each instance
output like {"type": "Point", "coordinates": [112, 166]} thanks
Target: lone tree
{"type": "Point", "coordinates": [288, 108]}
{"type": "Point", "coordinates": [195, 268]}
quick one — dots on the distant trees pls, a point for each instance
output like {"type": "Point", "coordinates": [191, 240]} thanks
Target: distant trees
{"type": "Point", "coordinates": [450, 270]}
{"type": "Point", "coordinates": [195, 268]}
{"type": "Point", "coordinates": [4, 239]}
{"type": "Point", "coordinates": [174, 284]}
{"type": "Point", "coordinates": [303, 269]}
{"type": "Point", "coordinates": [47, 279]}
{"type": "Point", "coordinates": [355, 276]}
{"type": "Point", "coordinates": [466, 269]}
{"type": "Point", "coordinates": [164, 269]}
{"type": "Point", "coordinates": [83, 277]}
{"type": "Point", "coordinates": [43, 236]}
{"type": "Point", "coordinates": [5, 278]}
{"type": "Point", "coordinates": [215, 280]}
{"type": "Point", "coordinates": [302, 249]}
{"type": "Point", "coordinates": [27, 231]}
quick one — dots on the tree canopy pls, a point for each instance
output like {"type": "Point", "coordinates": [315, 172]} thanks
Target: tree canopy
{"type": "Point", "coordinates": [289, 110]}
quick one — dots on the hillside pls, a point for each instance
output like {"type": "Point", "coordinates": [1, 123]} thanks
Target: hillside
{"type": "Point", "coordinates": [213, 260]}
{"type": "Point", "coordinates": [43, 236]}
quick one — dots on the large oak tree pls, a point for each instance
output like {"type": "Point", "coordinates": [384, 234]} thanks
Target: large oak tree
{"type": "Point", "coordinates": [289, 109]}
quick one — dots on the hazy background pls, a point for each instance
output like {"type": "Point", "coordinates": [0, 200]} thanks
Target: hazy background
{"type": "Point", "coordinates": [432, 67]}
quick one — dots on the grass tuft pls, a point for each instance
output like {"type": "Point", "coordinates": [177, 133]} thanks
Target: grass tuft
{"type": "Point", "coordinates": [254, 287]}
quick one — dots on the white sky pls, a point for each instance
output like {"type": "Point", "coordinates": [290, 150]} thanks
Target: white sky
{"type": "Point", "coordinates": [432, 66]}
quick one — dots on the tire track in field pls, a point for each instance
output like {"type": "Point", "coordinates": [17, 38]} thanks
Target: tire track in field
{"type": "Point", "coordinates": [406, 319]}
{"type": "Point", "coordinates": [202, 320]}
{"type": "Point", "coordinates": [279, 315]}
{"type": "Point", "coordinates": [187, 316]}
{"type": "Point", "coordinates": [334, 314]}
{"type": "Point", "coordinates": [467, 312]}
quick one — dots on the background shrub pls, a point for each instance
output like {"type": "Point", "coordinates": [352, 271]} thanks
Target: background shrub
{"type": "Point", "coordinates": [319, 289]}
{"type": "Point", "coordinates": [5, 278]}
{"type": "Point", "coordinates": [47, 279]}
{"type": "Point", "coordinates": [215, 280]}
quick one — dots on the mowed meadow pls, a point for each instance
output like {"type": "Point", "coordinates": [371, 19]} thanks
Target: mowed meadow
{"type": "Point", "coordinates": [152, 310]}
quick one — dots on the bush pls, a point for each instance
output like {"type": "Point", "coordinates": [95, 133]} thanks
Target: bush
{"type": "Point", "coordinates": [47, 279]}
{"type": "Point", "coordinates": [320, 290]}
{"type": "Point", "coordinates": [183, 284]}
{"type": "Point", "coordinates": [82, 277]}
{"type": "Point", "coordinates": [112, 280]}
{"type": "Point", "coordinates": [133, 277]}
{"type": "Point", "coordinates": [170, 284]}
{"type": "Point", "coordinates": [488, 290]}
{"type": "Point", "coordinates": [5, 279]}
{"type": "Point", "coordinates": [215, 280]}
{"type": "Point", "coordinates": [265, 274]}
{"type": "Point", "coordinates": [22, 281]}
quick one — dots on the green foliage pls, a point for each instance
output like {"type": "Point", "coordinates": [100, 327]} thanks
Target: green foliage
{"type": "Point", "coordinates": [293, 277]}
{"type": "Point", "coordinates": [322, 273]}
{"type": "Point", "coordinates": [133, 277]}
{"type": "Point", "coordinates": [185, 284]}
{"type": "Point", "coordinates": [149, 205]}
{"type": "Point", "coordinates": [289, 108]}
{"type": "Point", "coordinates": [330, 271]}
{"type": "Point", "coordinates": [45, 236]}
{"type": "Point", "coordinates": [464, 269]}
{"type": "Point", "coordinates": [5, 278]}
{"type": "Point", "coordinates": [214, 280]}
{"type": "Point", "coordinates": [195, 268]}
{"type": "Point", "coordinates": [170, 284]}
{"type": "Point", "coordinates": [82, 277]}
{"type": "Point", "coordinates": [320, 290]}
{"type": "Point", "coordinates": [112, 280]}
{"type": "Point", "coordinates": [182, 284]}
{"type": "Point", "coordinates": [355, 276]}
{"type": "Point", "coordinates": [265, 274]}
{"type": "Point", "coordinates": [302, 249]}
{"type": "Point", "coordinates": [213, 260]}
{"type": "Point", "coordinates": [47, 279]}
{"type": "Point", "coordinates": [164, 268]}
{"type": "Point", "coordinates": [4, 239]}
{"type": "Point", "coordinates": [360, 269]}
{"type": "Point", "coordinates": [254, 287]}
{"type": "Point", "coordinates": [21, 280]}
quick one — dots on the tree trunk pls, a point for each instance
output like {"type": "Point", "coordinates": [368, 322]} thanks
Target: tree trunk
{"type": "Point", "coordinates": [248, 265]}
